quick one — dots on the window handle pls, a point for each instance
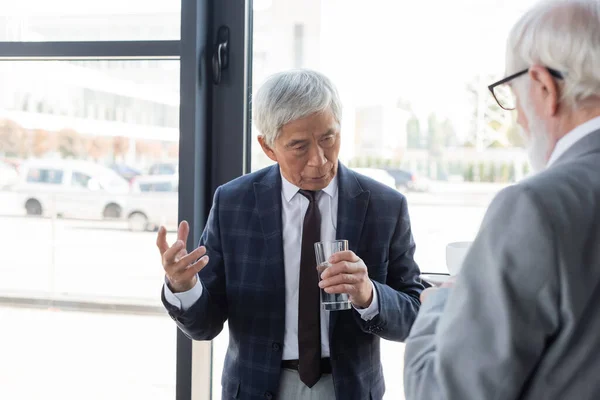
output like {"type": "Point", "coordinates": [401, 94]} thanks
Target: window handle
{"type": "Point", "coordinates": [220, 59]}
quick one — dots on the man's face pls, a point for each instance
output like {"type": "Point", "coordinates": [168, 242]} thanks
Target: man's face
{"type": "Point", "coordinates": [307, 150]}
{"type": "Point", "coordinates": [533, 130]}
{"type": "Point", "coordinates": [537, 104]}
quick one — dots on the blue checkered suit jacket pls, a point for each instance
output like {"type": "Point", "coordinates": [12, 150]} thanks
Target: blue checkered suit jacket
{"type": "Point", "coordinates": [244, 284]}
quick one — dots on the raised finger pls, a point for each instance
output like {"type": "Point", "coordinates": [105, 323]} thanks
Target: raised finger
{"type": "Point", "coordinates": [191, 270]}
{"type": "Point", "coordinates": [191, 258]}
{"type": "Point", "coordinates": [183, 232]}
{"type": "Point", "coordinates": [161, 240]}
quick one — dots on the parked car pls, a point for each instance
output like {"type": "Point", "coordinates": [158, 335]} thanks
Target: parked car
{"type": "Point", "coordinates": [13, 162]}
{"type": "Point", "coordinates": [125, 171]}
{"type": "Point", "coordinates": [380, 175]}
{"type": "Point", "coordinates": [153, 202]}
{"type": "Point", "coordinates": [71, 188]}
{"type": "Point", "coordinates": [165, 168]}
{"type": "Point", "coordinates": [407, 180]}
{"type": "Point", "coordinates": [8, 175]}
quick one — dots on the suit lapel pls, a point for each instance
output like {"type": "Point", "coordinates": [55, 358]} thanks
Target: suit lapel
{"type": "Point", "coordinates": [353, 202]}
{"type": "Point", "coordinates": [268, 204]}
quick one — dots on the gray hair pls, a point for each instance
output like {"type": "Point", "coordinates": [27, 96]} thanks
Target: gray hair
{"type": "Point", "coordinates": [291, 95]}
{"type": "Point", "coordinates": [563, 35]}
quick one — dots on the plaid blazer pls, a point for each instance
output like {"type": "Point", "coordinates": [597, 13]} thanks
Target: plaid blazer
{"type": "Point", "coordinates": [244, 284]}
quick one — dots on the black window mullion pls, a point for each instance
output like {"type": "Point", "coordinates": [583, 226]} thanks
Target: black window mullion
{"type": "Point", "coordinates": [128, 50]}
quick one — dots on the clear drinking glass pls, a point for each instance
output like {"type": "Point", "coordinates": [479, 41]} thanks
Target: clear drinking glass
{"type": "Point", "coordinates": [324, 250]}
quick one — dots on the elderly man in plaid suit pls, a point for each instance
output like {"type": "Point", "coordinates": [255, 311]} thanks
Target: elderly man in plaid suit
{"type": "Point", "coordinates": [255, 265]}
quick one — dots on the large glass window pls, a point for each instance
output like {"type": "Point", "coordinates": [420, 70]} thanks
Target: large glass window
{"type": "Point", "coordinates": [412, 77]}
{"type": "Point", "coordinates": [413, 80]}
{"type": "Point", "coordinates": [80, 276]}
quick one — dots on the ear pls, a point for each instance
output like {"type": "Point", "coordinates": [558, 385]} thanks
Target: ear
{"type": "Point", "coordinates": [545, 88]}
{"type": "Point", "coordinates": [266, 148]}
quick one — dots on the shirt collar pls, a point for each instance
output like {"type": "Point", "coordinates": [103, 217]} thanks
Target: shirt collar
{"type": "Point", "coordinates": [290, 190]}
{"type": "Point", "coordinates": [572, 137]}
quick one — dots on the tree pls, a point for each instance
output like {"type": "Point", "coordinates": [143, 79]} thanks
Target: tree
{"type": "Point", "coordinates": [120, 147]}
{"type": "Point", "coordinates": [97, 147]}
{"type": "Point", "coordinates": [449, 133]}
{"type": "Point", "coordinates": [435, 136]}
{"type": "Point", "coordinates": [13, 139]}
{"type": "Point", "coordinates": [150, 148]}
{"type": "Point", "coordinates": [70, 144]}
{"type": "Point", "coordinates": [43, 142]}
{"type": "Point", "coordinates": [413, 133]}
{"type": "Point", "coordinates": [469, 174]}
{"type": "Point", "coordinates": [505, 174]}
{"type": "Point", "coordinates": [496, 145]}
{"type": "Point", "coordinates": [490, 123]}
{"type": "Point", "coordinates": [481, 173]}
{"type": "Point", "coordinates": [514, 136]}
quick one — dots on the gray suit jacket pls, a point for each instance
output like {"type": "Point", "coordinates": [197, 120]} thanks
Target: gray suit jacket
{"type": "Point", "coordinates": [523, 320]}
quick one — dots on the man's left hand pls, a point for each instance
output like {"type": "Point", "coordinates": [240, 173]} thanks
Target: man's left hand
{"type": "Point", "coordinates": [348, 274]}
{"type": "Point", "coordinates": [448, 284]}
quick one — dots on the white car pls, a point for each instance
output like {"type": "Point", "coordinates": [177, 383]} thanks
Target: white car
{"type": "Point", "coordinates": [164, 168]}
{"type": "Point", "coordinates": [8, 175]}
{"type": "Point", "coordinates": [380, 175]}
{"type": "Point", "coordinates": [153, 202]}
{"type": "Point", "coordinates": [71, 189]}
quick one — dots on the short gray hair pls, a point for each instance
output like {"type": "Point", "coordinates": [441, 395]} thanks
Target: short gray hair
{"type": "Point", "coordinates": [563, 35]}
{"type": "Point", "coordinates": [291, 95]}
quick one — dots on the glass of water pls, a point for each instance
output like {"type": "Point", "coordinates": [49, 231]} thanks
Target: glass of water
{"type": "Point", "coordinates": [324, 250]}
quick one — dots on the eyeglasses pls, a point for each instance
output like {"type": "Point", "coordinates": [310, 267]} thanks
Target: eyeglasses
{"type": "Point", "coordinates": [504, 94]}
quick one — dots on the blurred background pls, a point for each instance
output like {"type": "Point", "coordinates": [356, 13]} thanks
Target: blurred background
{"type": "Point", "coordinates": [89, 165]}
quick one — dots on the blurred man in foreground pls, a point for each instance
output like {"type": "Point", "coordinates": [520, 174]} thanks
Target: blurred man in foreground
{"type": "Point", "coordinates": [522, 319]}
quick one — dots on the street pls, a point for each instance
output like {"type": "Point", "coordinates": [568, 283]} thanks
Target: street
{"type": "Point", "coordinates": [100, 259]}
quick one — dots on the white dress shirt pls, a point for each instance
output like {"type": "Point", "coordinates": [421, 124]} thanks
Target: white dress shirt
{"type": "Point", "coordinates": [572, 137]}
{"type": "Point", "coordinates": [294, 207]}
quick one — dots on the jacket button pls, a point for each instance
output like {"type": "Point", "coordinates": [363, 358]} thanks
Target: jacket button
{"type": "Point", "coordinates": [276, 346]}
{"type": "Point", "coordinates": [268, 395]}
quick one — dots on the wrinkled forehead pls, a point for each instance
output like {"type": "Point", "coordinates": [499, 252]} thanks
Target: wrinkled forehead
{"type": "Point", "coordinates": [317, 124]}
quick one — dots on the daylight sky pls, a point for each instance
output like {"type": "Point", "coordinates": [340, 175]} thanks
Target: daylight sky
{"type": "Point", "coordinates": [424, 50]}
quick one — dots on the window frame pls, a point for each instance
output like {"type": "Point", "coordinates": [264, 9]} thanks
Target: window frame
{"type": "Point", "coordinates": [213, 119]}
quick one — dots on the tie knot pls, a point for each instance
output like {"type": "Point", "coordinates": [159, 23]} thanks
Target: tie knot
{"type": "Point", "coordinates": [311, 195]}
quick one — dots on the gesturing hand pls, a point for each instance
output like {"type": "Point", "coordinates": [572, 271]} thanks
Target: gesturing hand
{"type": "Point", "coordinates": [180, 267]}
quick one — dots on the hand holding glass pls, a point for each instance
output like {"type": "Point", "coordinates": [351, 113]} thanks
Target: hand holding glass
{"type": "Point", "coordinates": [324, 250]}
